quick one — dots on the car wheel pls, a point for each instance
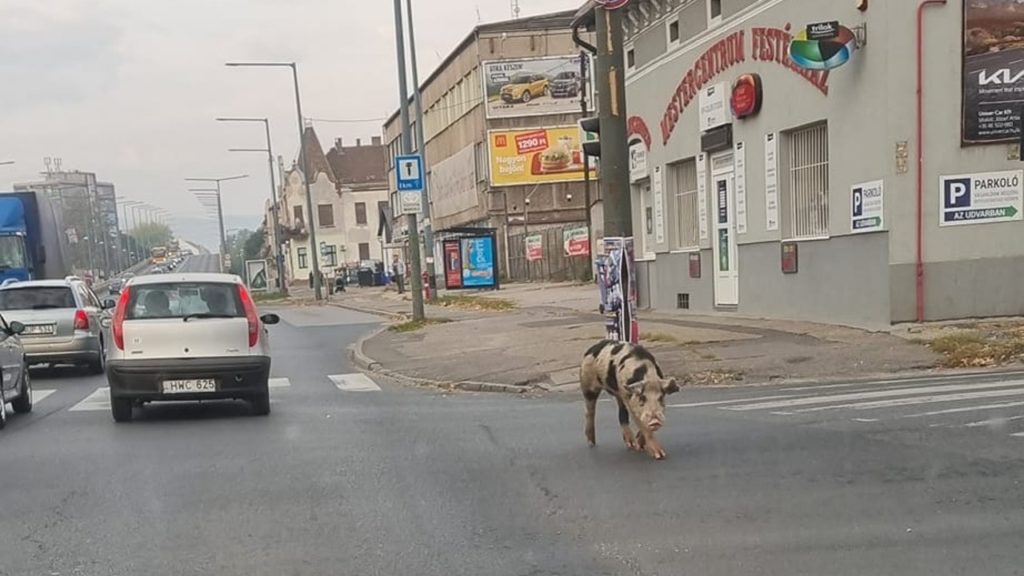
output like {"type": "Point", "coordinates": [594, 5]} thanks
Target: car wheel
{"type": "Point", "coordinates": [3, 409]}
{"type": "Point", "coordinates": [121, 409]}
{"type": "Point", "coordinates": [99, 365]}
{"type": "Point", "coordinates": [23, 403]}
{"type": "Point", "coordinates": [261, 403]}
{"type": "Point", "coordinates": [526, 96]}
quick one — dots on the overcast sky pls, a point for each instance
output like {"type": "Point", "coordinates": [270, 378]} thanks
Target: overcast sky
{"type": "Point", "coordinates": [129, 88]}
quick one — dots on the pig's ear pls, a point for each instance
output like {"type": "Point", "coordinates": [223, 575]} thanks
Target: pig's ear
{"type": "Point", "coordinates": [669, 386]}
{"type": "Point", "coordinates": [635, 388]}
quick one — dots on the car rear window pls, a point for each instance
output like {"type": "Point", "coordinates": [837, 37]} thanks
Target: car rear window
{"type": "Point", "coordinates": [180, 299]}
{"type": "Point", "coordinates": [36, 298]}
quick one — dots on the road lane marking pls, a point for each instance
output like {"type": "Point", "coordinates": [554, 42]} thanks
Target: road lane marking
{"type": "Point", "coordinates": [98, 400]}
{"type": "Point", "coordinates": [966, 409]}
{"type": "Point", "coordinates": [357, 382]}
{"type": "Point", "coordinates": [40, 395]}
{"type": "Point", "coordinates": [738, 401]}
{"type": "Point", "coordinates": [892, 403]}
{"type": "Point", "coordinates": [807, 401]}
{"type": "Point", "coordinates": [279, 383]}
{"type": "Point", "coordinates": [992, 422]}
{"type": "Point", "coordinates": [864, 420]}
{"type": "Point", "coordinates": [1018, 434]}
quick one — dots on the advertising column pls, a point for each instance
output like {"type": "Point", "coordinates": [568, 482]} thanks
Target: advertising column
{"type": "Point", "coordinates": [616, 282]}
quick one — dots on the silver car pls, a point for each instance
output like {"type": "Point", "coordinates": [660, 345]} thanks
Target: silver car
{"type": "Point", "coordinates": [187, 337]}
{"type": "Point", "coordinates": [15, 386]}
{"type": "Point", "coordinates": [63, 321]}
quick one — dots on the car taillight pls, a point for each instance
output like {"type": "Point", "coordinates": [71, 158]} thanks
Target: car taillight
{"type": "Point", "coordinates": [250, 315]}
{"type": "Point", "coordinates": [81, 320]}
{"type": "Point", "coordinates": [117, 322]}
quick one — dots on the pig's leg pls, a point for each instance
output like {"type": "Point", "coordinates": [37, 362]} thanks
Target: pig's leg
{"type": "Point", "coordinates": [590, 397]}
{"type": "Point", "coordinates": [649, 443]}
{"type": "Point", "coordinates": [627, 433]}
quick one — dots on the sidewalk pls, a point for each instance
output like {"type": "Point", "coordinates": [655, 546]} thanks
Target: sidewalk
{"type": "Point", "coordinates": [539, 343]}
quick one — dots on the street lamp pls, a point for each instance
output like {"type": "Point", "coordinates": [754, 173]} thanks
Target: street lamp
{"type": "Point", "coordinates": [133, 248]}
{"type": "Point", "coordinates": [275, 236]}
{"type": "Point", "coordinates": [311, 222]}
{"type": "Point", "coordinates": [220, 206]}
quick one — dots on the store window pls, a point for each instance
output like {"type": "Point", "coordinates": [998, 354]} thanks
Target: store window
{"type": "Point", "coordinates": [303, 257]}
{"type": "Point", "coordinates": [361, 213]}
{"type": "Point", "coordinates": [686, 224]}
{"type": "Point", "coordinates": [807, 185]}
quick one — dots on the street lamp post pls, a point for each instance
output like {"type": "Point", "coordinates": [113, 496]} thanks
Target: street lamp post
{"type": "Point", "coordinates": [311, 221]}
{"type": "Point", "coordinates": [275, 236]}
{"type": "Point", "coordinates": [129, 242]}
{"type": "Point", "coordinates": [220, 207]}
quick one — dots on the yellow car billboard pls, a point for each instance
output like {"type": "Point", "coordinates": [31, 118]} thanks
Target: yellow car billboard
{"type": "Point", "coordinates": [536, 156]}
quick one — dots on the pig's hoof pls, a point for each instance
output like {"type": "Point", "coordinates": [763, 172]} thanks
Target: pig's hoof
{"type": "Point", "coordinates": [657, 453]}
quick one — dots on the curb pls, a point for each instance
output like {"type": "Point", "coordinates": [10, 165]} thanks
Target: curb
{"type": "Point", "coordinates": [370, 365]}
{"type": "Point", "coordinates": [896, 377]}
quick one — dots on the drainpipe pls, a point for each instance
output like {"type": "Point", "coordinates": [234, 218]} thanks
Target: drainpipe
{"type": "Point", "coordinates": [919, 267]}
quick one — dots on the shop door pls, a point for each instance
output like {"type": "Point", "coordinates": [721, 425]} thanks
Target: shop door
{"type": "Point", "coordinates": [727, 277]}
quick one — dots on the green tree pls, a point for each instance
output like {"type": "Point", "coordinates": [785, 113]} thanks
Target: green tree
{"type": "Point", "coordinates": [152, 234]}
{"type": "Point", "coordinates": [253, 248]}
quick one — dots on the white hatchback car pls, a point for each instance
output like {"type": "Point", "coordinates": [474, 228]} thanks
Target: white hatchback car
{"type": "Point", "coordinates": [187, 337]}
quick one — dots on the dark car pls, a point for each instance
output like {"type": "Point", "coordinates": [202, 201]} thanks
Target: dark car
{"type": "Point", "coordinates": [565, 85]}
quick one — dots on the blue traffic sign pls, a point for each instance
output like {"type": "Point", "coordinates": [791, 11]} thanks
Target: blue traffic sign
{"type": "Point", "coordinates": [409, 173]}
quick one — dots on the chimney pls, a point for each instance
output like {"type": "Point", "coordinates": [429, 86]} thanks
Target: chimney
{"type": "Point", "coordinates": [376, 140]}
{"type": "Point", "coordinates": [339, 143]}
{"type": "Point", "coordinates": [359, 141]}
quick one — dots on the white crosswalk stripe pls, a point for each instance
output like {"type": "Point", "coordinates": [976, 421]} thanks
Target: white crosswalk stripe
{"type": "Point", "coordinates": [40, 395]}
{"type": "Point", "coordinates": [958, 404]}
{"type": "Point", "coordinates": [98, 400]}
{"type": "Point", "coordinates": [279, 383]}
{"type": "Point", "coordinates": [357, 382]}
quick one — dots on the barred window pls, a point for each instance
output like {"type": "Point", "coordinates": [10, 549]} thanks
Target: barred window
{"type": "Point", "coordinates": [808, 182]}
{"type": "Point", "coordinates": [686, 224]}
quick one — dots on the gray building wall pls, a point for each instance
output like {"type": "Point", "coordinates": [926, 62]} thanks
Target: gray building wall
{"type": "Point", "coordinates": [863, 279]}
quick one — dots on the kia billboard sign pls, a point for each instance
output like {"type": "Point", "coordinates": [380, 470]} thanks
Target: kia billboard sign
{"type": "Point", "coordinates": [993, 71]}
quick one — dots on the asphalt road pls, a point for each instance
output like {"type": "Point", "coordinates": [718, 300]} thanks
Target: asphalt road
{"type": "Point", "coordinates": [352, 476]}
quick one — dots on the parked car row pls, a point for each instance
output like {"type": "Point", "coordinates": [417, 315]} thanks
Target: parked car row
{"type": "Point", "coordinates": [167, 337]}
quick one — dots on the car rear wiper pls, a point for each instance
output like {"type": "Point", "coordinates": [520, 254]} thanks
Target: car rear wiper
{"type": "Point", "coordinates": [206, 315]}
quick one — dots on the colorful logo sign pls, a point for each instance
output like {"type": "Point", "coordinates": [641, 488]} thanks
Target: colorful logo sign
{"type": "Point", "coordinates": [746, 96]}
{"type": "Point", "coordinates": [827, 46]}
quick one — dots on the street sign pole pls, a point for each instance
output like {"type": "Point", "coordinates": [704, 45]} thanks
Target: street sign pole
{"type": "Point", "coordinates": [411, 220]}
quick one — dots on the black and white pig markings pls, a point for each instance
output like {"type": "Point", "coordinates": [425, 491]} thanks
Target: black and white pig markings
{"type": "Point", "coordinates": [630, 373]}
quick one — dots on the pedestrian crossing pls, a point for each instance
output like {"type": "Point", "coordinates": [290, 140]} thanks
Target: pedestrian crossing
{"type": "Point", "coordinates": [951, 402]}
{"type": "Point", "coordinates": [99, 399]}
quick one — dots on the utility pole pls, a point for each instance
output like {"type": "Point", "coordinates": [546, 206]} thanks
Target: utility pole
{"type": "Point", "coordinates": [610, 76]}
{"type": "Point", "coordinates": [415, 285]}
{"type": "Point", "coordinates": [584, 112]}
{"type": "Point", "coordinates": [428, 226]}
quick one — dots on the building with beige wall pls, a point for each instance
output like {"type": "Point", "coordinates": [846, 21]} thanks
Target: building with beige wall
{"type": "Point", "coordinates": [349, 190]}
{"type": "Point", "coordinates": [459, 117]}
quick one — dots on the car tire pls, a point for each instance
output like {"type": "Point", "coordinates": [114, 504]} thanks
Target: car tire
{"type": "Point", "coordinates": [99, 365]}
{"type": "Point", "coordinates": [23, 403]}
{"type": "Point", "coordinates": [526, 96]}
{"type": "Point", "coordinates": [261, 403]}
{"type": "Point", "coordinates": [121, 409]}
{"type": "Point", "coordinates": [3, 409]}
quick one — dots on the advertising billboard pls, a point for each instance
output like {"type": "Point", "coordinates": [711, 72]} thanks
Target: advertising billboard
{"type": "Point", "coordinates": [452, 264]}
{"type": "Point", "coordinates": [478, 256]}
{"type": "Point", "coordinates": [532, 87]}
{"type": "Point", "coordinates": [993, 71]}
{"type": "Point", "coordinates": [536, 156]}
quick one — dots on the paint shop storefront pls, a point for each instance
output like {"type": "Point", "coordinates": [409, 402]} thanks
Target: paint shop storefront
{"type": "Point", "coordinates": [774, 159]}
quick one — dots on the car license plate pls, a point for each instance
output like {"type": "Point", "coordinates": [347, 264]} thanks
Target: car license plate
{"type": "Point", "coordinates": [189, 386]}
{"type": "Point", "coordinates": [40, 329]}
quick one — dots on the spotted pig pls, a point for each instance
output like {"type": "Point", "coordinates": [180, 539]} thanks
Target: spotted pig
{"type": "Point", "coordinates": [630, 373]}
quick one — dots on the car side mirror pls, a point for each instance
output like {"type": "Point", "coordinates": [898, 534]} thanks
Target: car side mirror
{"type": "Point", "coordinates": [109, 304]}
{"type": "Point", "coordinates": [16, 327]}
{"type": "Point", "coordinates": [270, 319]}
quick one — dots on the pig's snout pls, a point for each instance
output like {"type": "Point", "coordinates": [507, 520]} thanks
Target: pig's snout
{"type": "Point", "coordinates": [654, 425]}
